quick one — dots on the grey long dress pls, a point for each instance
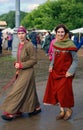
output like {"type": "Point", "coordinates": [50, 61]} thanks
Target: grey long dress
{"type": "Point", "coordinates": [23, 96]}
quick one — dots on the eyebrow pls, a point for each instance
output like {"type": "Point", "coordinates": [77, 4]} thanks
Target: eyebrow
{"type": "Point", "coordinates": [20, 32]}
{"type": "Point", "coordinates": [60, 31]}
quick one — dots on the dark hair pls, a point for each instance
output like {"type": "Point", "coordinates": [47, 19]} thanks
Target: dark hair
{"type": "Point", "coordinates": [62, 26]}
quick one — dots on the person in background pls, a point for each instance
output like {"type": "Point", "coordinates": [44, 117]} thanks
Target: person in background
{"type": "Point", "coordinates": [48, 39]}
{"type": "Point", "coordinates": [23, 96]}
{"type": "Point", "coordinates": [43, 40]}
{"type": "Point", "coordinates": [51, 49]}
{"type": "Point", "coordinates": [0, 42]}
{"type": "Point", "coordinates": [79, 43]}
{"type": "Point", "coordinates": [76, 40]}
{"type": "Point", "coordinates": [33, 37]}
{"type": "Point", "coordinates": [10, 39]}
{"type": "Point", "coordinates": [61, 73]}
{"type": "Point", "coordinates": [5, 40]}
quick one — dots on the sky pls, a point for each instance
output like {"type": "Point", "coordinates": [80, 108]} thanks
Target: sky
{"type": "Point", "coordinates": [25, 5]}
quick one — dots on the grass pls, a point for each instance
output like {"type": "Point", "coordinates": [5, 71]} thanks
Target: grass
{"type": "Point", "coordinates": [7, 58]}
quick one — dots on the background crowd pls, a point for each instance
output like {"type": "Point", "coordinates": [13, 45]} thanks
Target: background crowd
{"type": "Point", "coordinates": [43, 38]}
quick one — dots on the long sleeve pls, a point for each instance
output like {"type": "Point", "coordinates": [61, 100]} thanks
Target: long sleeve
{"type": "Point", "coordinates": [32, 60]}
{"type": "Point", "coordinates": [52, 61]}
{"type": "Point", "coordinates": [74, 64]}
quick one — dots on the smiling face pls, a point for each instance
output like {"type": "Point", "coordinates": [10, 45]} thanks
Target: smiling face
{"type": "Point", "coordinates": [60, 33]}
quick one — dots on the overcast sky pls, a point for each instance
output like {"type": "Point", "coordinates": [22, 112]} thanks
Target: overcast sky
{"type": "Point", "coordinates": [25, 5]}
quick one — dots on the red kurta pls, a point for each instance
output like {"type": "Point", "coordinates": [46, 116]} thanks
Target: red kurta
{"type": "Point", "coordinates": [59, 88]}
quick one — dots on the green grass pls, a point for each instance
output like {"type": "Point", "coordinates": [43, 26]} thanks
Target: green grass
{"type": "Point", "coordinates": [7, 58]}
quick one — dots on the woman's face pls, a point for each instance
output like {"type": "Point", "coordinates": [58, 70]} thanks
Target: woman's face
{"type": "Point", "coordinates": [60, 33]}
{"type": "Point", "coordinates": [22, 36]}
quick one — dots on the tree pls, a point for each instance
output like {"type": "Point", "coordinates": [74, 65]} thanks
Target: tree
{"type": "Point", "coordinates": [49, 14]}
{"type": "Point", "coordinates": [10, 18]}
{"type": "Point", "coordinates": [53, 12]}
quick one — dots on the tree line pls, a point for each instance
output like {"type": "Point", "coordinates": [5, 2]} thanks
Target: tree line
{"type": "Point", "coordinates": [49, 14]}
{"type": "Point", "coordinates": [10, 18]}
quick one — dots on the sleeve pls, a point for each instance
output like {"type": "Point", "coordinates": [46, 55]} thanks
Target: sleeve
{"type": "Point", "coordinates": [52, 61]}
{"type": "Point", "coordinates": [74, 64]}
{"type": "Point", "coordinates": [33, 58]}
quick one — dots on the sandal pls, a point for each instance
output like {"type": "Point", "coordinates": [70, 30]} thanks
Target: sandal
{"type": "Point", "coordinates": [68, 114]}
{"type": "Point", "coordinates": [61, 115]}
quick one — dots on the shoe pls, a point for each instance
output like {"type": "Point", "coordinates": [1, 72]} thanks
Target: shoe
{"type": "Point", "coordinates": [61, 115]}
{"type": "Point", "coordinates": [10, 117]}
{"type": "Point", "coordinates": [35, 112]}
{"type": "Point", "coordinates": [68, 114]}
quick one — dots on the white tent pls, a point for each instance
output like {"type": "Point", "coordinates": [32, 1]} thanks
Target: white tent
{"type": "Point", "coordinates": [9, 30]}
{"type": "Point", "coordinates": [41, 31]}
{"type": "Point", "coordinates": [79, 30]}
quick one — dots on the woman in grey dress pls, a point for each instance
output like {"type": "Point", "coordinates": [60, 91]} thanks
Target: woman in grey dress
{"type": "Point", "coordinates": [23, 97]}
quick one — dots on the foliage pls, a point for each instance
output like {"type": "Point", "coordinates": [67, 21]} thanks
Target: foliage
{"type": "Point", "coordinates": [10, 18]}
{"type": "Point", "coordinates": [49, 14]}
{"type": "Point", "coordinates": [53, 12]}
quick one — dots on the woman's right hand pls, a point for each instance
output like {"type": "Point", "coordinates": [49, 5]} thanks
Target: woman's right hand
{"type": "Point", "coordinates": [68, 74]}
{"type": "Point", "coordinates": [50, 69]}
{"type": "Point", "coordinates": [16, 65]}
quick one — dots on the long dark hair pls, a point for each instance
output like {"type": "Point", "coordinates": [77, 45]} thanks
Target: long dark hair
{"type": "Point", "coordinates": [62, 26]}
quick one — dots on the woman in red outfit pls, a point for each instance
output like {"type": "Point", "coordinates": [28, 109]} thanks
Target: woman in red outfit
{"type": "Point", "coordinates": [61, 73]}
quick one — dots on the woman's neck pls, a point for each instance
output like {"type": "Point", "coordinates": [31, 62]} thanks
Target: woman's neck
{"type": "Point", "coordinates": [22, 42]}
